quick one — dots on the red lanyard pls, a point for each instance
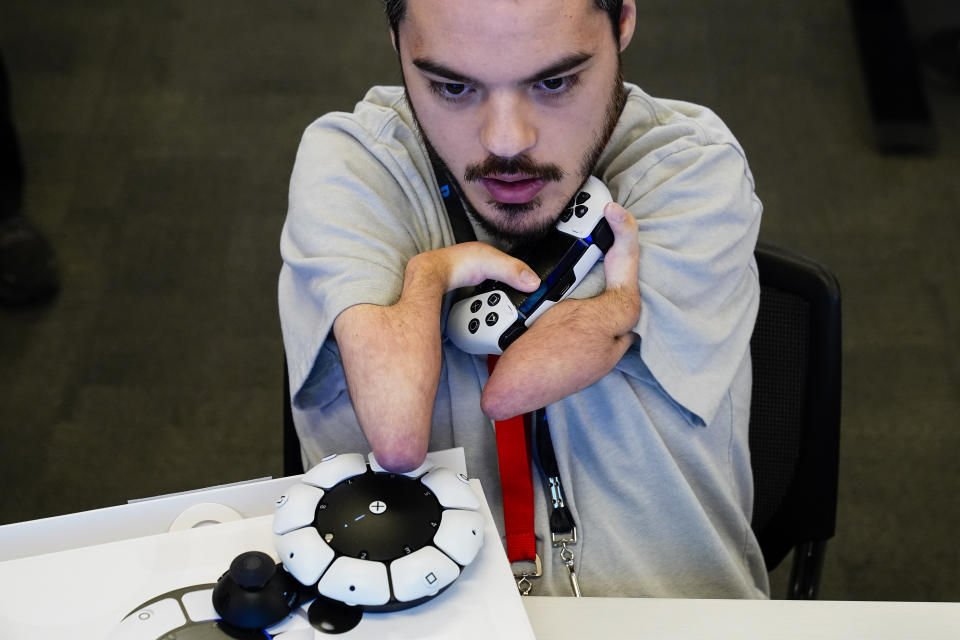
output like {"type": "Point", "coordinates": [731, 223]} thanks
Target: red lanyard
{"type": "Point", "coordinates": [516, 482]}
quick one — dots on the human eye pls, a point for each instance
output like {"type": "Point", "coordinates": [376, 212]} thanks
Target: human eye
{"type": "Point", "coordinates": [554, 87]}
{"type": "Point", "coordinates": [450, 91]}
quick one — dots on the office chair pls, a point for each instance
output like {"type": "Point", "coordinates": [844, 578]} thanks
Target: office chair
{"type": "Point", "coordinates": [795, 414]}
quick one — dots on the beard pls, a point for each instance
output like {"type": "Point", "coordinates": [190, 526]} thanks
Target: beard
{"type": "Point", "coordinates": [512, 230]}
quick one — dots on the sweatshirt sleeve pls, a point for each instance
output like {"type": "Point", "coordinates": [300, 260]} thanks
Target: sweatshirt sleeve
{"type": "Point", "coordinates": [358, 211]}
{"type": "Point", "coordinates": [698, 222]}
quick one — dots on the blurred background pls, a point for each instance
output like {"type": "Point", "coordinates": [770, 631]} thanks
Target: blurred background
{"type": "Point", "coordinates": [158, 140]}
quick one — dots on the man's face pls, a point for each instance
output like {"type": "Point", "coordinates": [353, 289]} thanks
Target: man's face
{"type": "Point", "coordinates": [517, 99]}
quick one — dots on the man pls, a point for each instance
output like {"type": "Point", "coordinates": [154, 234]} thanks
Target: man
{"type": "Point", "coordinates": [646, 387]}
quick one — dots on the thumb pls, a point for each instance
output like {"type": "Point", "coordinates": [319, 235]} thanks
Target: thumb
{"type": "Point", "coordinates": [474, 262]}
{"type": "Point", "coordinates": [621, 263]}
{"type": "Point", "coordinates": [518, 275]}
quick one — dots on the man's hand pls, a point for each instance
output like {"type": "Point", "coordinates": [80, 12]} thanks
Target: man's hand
{"type": "Point", "coordinates": [576, 342]}
{"type": "Point", "coordinates": [391, 355]}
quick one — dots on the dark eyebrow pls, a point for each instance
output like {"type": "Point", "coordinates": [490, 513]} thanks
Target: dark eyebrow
{"type": "Point", "coordinates": [437, 69]}
{"type": "Point", "coordinates": [558, 68]}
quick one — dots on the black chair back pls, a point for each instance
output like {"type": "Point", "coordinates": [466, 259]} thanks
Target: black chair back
{"type": "Point", "coordinates": [795, 413]}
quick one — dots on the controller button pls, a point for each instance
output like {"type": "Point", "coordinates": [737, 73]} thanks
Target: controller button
{"type": "Point", "coordinates": [582, 197]}
{"type": "Point", "coordinates": [581, 211]}
{"type": "Point", "coordinates": [492, 318]}
{"type": "Point", "coordinates": [566, 215]}
{"type": "Point", "coordinates": [252, 570]}
{"type": "Point", "coordinates": [473, 326]}
{"type": "Point", "coordinates": [475, 306]}
{"type": "Point", "coordinates": [494, 299]}
{"type": "Point", "coordinates": [199, 605]}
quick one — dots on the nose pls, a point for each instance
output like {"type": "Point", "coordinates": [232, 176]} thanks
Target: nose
{"type": "Point", "coordinates": [508, 128]}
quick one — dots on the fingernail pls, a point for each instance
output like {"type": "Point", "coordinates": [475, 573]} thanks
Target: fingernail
{"type": "Point", "coordinates": [618, 214]}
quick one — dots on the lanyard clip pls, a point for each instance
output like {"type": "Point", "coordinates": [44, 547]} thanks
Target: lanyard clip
{"type": "Point", "coordinates": [564, 537]}
{"type": "Point", "coordinates": [523, 571]}
{"type": "Point", "coordinates": [566, 555]}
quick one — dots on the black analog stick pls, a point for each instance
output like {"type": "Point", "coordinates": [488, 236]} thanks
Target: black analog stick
{"type": "Point", "coordinates": [252, 570]}
{"type": "Point", "coordinates": [255, 593]}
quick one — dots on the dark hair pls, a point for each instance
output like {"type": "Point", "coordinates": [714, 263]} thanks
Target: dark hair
{"type": "Point", "coordinates": [396, 9]}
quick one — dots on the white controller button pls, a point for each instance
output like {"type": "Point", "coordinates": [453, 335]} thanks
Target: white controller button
{"type": "Point", "coordinates": [450, 492]}
{"type": "Point", "coordinates": [304, 553]}
{"type": "Point", "coordinates": [422, 573]}
{"type": "Point", "coordinates": [298, 510]}
{"type": "Point", "coordinates": [334, 469]}
{"type": "Point", "coordinates": [356, 582]}
{"type": "Point", "coordinates": [199, 605]}
{"type": "Point", "coordinates": [460, 535]}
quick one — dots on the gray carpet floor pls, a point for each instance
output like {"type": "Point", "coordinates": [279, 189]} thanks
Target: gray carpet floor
{"type": "Point", "coordinates": [159, 138]}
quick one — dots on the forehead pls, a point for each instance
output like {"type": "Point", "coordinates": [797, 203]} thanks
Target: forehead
{"type": "Point", "coordinates": [484, 37]}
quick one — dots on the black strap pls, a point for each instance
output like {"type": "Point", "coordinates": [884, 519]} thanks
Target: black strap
{"type": "Point", "coordinates": [561, 520]}
{"type": "Point", "coordinates": [462, 231]}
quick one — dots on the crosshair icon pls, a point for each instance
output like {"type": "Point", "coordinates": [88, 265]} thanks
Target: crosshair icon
{"type": "Point", "coordinates": [377, 507]}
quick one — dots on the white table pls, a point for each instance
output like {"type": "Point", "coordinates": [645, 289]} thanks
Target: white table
{"type": "Point", "coordinates": [663, 619]}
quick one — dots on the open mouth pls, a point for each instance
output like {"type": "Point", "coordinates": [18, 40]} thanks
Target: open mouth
{"type": "Point", "coordinates": [513, 190]}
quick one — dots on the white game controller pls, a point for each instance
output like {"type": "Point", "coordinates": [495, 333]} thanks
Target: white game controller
{"type": "Point", "coordinates": [351, 537]}
{"type": "Point", "coordinates": [492, 315]}
{"type": "Point", "coordinates": [379, 540]}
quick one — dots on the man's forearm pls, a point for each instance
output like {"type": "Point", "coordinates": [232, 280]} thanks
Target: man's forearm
{"type": "Point", "coordinates": [569, 348]}
{"type": "Point", "coordinates": [391, 360]}
{"type": "Point", "coordinates": [577, 342]}
{"type": "Point", "coordinates": [391, 354]}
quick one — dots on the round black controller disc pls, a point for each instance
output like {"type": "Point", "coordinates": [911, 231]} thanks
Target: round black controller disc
{"type": "Point", "coordinates": [378, 516]}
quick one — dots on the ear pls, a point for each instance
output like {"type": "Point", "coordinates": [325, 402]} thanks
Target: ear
{"type": "Point", "coordinates": [393, 39]}
{"type": "Point", "coordinates": [628, 21]}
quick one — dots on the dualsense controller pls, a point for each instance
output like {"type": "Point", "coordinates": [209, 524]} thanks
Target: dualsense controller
{"type": "Point", "coordinates": [492, 315]}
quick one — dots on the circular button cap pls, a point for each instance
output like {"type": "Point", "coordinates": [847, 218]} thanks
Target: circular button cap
{"type": "Point", "coordinates": [253, 569]}
{"type": "Point", "coordinates": [493, 299]}
{"type": "Point", "coordinates": [473, 326]}
{"type": "Point", "coordinates": [491, 319]}
{"type": "Point", "coordinates": [475, 306]}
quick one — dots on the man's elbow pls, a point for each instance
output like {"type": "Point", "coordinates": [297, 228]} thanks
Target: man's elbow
{"type": "Point", "coordinates": [498, 404]}
{"type": "Point", "coordinates": [400, 455]}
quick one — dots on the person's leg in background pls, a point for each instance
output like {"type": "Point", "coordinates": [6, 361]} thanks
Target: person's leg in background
{"type": "Point", "coordinates": [28, 272]}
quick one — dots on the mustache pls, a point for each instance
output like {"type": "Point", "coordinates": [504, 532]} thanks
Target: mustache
{"type": "Point", "coordinates": [495, 165]}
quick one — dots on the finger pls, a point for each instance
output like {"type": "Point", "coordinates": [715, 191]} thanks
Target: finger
{"type": "Point", "coordinates": [515, 273]}
{"type": "Point", "coordinates": [476, 262]}
{"type": "Point", "coordinates": [621, 263]}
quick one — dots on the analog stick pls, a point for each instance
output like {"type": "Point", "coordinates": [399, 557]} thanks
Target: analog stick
{"type": "Point", "coordinates": [255, 592]}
